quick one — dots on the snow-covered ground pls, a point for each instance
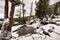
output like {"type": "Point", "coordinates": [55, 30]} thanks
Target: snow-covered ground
{"type": "Point", "coordinates": [54, 36]}
{"type": "Point", "coordinates": [1, 22]}
{"type": "Point", "coordinates": [57, 20]}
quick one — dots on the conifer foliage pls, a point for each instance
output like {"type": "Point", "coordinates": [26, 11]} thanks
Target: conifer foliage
{"type": "Point", "coordinates": [41, 8]}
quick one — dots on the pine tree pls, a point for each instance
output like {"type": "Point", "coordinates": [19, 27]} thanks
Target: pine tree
{"type": "Point", "coordinates": [41, 8]}
{"type": "Point", "coordinates": [57, 5]}
{"type": "Point", "coordinates": [55, 9]}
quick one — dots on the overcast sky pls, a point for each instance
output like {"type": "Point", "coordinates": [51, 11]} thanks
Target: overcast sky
{"type": "Point", "coordinates": [27, 6]}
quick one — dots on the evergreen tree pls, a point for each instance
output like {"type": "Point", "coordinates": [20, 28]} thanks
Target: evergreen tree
{"type": "Point", "coordinates": [55, 9]}
{"type": "Point", "coordinates": [41, 8]}
{"type": "Point", "coordinates": [57, 5]}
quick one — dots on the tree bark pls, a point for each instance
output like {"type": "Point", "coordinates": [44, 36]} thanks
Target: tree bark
{"type": "Point", "coordinates": [19, 15]}
{"type": "Point", "coordinates": [11, 16]}
{"type": "Point", "coordinates": [31, 10]}
{"type": "Point", "coordinates": [6, 9]}
{"type": "Point", "coordinates": [23, 11]}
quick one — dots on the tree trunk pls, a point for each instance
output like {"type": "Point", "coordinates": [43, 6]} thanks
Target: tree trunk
{"type": "Point", "coordinates": [31, 10]}
{"type": "Point", "coordinates": [11, 16]}
{"type": "Point", "coordinates": [19, 15]}
{"type": "Point", "coordinates": [46, 8]}
{"type": "Point", "coordinates": [6, 9]}
{"type": "Point", "coordinates": [23, 11]}
{"type": "Point", "coordinates": [4, 32]}
{"type": "Point", "coordinates": [23, 14]}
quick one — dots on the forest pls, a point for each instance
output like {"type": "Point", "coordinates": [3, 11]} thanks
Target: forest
{"type": "Point", "coordinates": [42, 21]}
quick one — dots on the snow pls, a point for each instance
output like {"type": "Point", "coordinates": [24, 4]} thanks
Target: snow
{"type": "Point", "coordinates": [14, 28]}
{"type": "Point", "coordinates": [4, 33]}
{"type": "Point", "coordinates": [54, 36]}
{"type": "Point", "coordinates": [35, 25]}
{"type": "Point", "coordinates": [56, 19]}
{"type": "Point", "coordinates": [1, 22]}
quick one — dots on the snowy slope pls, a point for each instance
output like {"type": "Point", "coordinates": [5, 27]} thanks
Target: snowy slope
{"type": "Point", "coordinates": [54, 36]}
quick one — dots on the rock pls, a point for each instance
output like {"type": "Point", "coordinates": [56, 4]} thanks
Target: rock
{"type": "Point", "coordinates": [25, 31]}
